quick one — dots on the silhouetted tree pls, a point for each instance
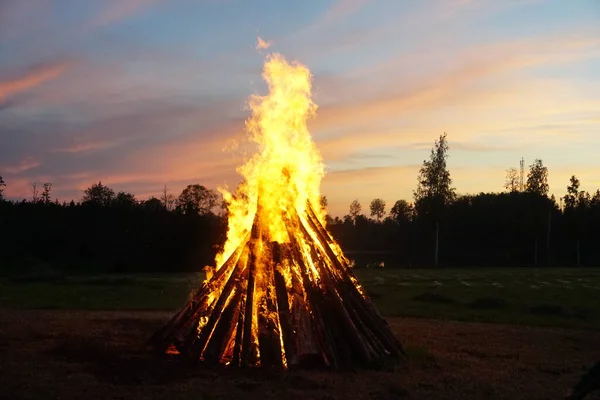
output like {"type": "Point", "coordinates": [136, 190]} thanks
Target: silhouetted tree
{"type": "Point", "coordinates": [540, 208]}
{"type": "Point", "coordinates": [402, 211]}
{"type": "Point", "coordinates": [124, 199]}
{"type": "Point", "coordinates": [153, 204]}
{"type": "Point", "coordinates": [579, 206]}
{"type": "Point", "coordinates": [355, 210]}
{"type": "Point", "coordinates": [98, 195]}
{"type": "Point", "coordinates": [2, 186]}
{"type": "Point", "coordinates": [434, 190]}
{"type": "Point", "coordinates": [572, 195]}
{"type": "Point", "coordinates": [324, 202]}
{"type": "Point", "coordinates": [197, 199]}
{"type": "Point", "coordinates": [46, 193]}
{"type": "Point", "coordinates": [512, 180]}
{"type": "Point", "coordinates": [34, 193]}
{"type": "Point", "coordinates": [537, 178]}
{"type": "Point", "coordinates": [377, 207]}
{"type": "Point", "coordinates": [167, 199]}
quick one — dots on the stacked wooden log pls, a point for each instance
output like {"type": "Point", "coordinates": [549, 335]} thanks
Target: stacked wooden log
{"type": "Point", "coordinates": [282, 305]}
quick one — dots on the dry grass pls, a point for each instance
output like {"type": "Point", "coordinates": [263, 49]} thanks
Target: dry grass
{"type": "Point", "coordinates": [100, 355]}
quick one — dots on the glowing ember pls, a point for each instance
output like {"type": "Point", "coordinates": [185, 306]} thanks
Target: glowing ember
{"type": "Point", "coordinates": [282, 293]}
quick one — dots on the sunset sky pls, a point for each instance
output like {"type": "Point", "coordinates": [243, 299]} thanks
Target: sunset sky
{"type": "Point", "coordinates": [142, 93]}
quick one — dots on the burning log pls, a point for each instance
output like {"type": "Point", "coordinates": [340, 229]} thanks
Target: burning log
{"type": "Point", "coordinates": [260, 320]}
{"type": "Point", "coordinates": [282, 294]}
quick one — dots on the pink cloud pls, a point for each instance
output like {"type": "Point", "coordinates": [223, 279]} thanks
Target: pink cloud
{"type": "Point", "coordinates": [117, 10]}
{"type": "Point", "coordinates": [339, 10]}
{"type": "Point", "coordinates": [32, 79]}
{"type": "Point", "coordinates": [397, 96]}
{"type": "Point", "coordinates": [85, 147]}
{"type": "Point", "coordinates": [24, 165]}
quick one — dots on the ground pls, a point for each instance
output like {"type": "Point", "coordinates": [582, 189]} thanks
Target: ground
{"type": "Point", "coordinates": [100, 355]}
{"type": "Point", "coordinates": [57, 339]}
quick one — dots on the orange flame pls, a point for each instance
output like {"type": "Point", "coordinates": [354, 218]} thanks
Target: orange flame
{"type": "Point", "coordinates": [287, 169]}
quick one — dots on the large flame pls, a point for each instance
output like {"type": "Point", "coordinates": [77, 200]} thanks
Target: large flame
{"type": "Point", "coordinates": [287, 169]}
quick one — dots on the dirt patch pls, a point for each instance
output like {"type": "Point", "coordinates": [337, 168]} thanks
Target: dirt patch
{"type": "Point", "coordinates": [74, 355]}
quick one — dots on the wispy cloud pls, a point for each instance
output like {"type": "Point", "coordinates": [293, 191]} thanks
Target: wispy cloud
{"type": "Point", "coordinates": [118, 10]}
{"type": "Point", "coordinates": [85, 147]}
{"type": "Point", "coordinates": [338, 11]}
{"type": "Point", "coordinates": [25, 164]}
{"type": "Point", "coordinates": [36, 76]}
{"type": "Point", "coordinates": [398, 96]}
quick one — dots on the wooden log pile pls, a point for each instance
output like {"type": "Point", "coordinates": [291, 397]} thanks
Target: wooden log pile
{"type": "Point", "coordinates": [282, 305]}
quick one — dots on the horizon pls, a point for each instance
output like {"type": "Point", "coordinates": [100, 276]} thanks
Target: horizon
{"type": "Point", "coordinates": [142, 94]}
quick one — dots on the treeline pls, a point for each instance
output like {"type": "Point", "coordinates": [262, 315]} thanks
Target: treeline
{"type": "Point", "coordinates": [115, 232]}
{"type": "Point", "coordinates": [110, 232]}
{"type": "Point", "coordinates": [518, 227]}
{"type": "Point", "coordinates": [488, 229]}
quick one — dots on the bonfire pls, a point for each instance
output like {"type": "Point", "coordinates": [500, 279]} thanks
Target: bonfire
{"type": "Point", "coordinates": [281, 293]}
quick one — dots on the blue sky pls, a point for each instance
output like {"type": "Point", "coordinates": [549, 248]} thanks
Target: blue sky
{"type": "Point", "coordinates": [140, 94]}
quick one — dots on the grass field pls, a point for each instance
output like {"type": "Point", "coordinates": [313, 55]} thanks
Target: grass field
{"type": "Point", "coordinates": [83, 337]}
{"type": "Point", "coordinates": [564, 297]}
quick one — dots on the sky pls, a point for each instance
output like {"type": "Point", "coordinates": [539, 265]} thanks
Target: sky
{"type": "Point", "coordinates": [140, 94]}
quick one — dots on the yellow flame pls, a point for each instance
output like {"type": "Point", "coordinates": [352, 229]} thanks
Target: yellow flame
{"type": "Point", "coordinates": [287, 169]}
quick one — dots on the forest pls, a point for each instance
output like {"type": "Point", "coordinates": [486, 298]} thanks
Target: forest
{"type": "Point", "coordinates": [113, 232]}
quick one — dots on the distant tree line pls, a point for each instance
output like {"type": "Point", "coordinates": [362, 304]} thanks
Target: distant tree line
{"type": "Point", "coordinates": [108, 231]}
{"type": "Point", "coordinates": [517, 227]}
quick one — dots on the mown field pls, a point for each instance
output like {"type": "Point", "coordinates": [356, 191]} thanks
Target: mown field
{"type": "Point", "coordinates": [562, 297]}
{"type": "Point", "coordinates": [83, 337]}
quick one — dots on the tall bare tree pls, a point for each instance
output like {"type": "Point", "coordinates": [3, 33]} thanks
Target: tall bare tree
{"type": "Point", "coordinates": [34, 193]}
{"type": "Point", "coordinates": [2, 186]}
{"type": "Point", "coordinates": [167, 199]}
{"type": "Point", "coordinates": [512, 183]}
